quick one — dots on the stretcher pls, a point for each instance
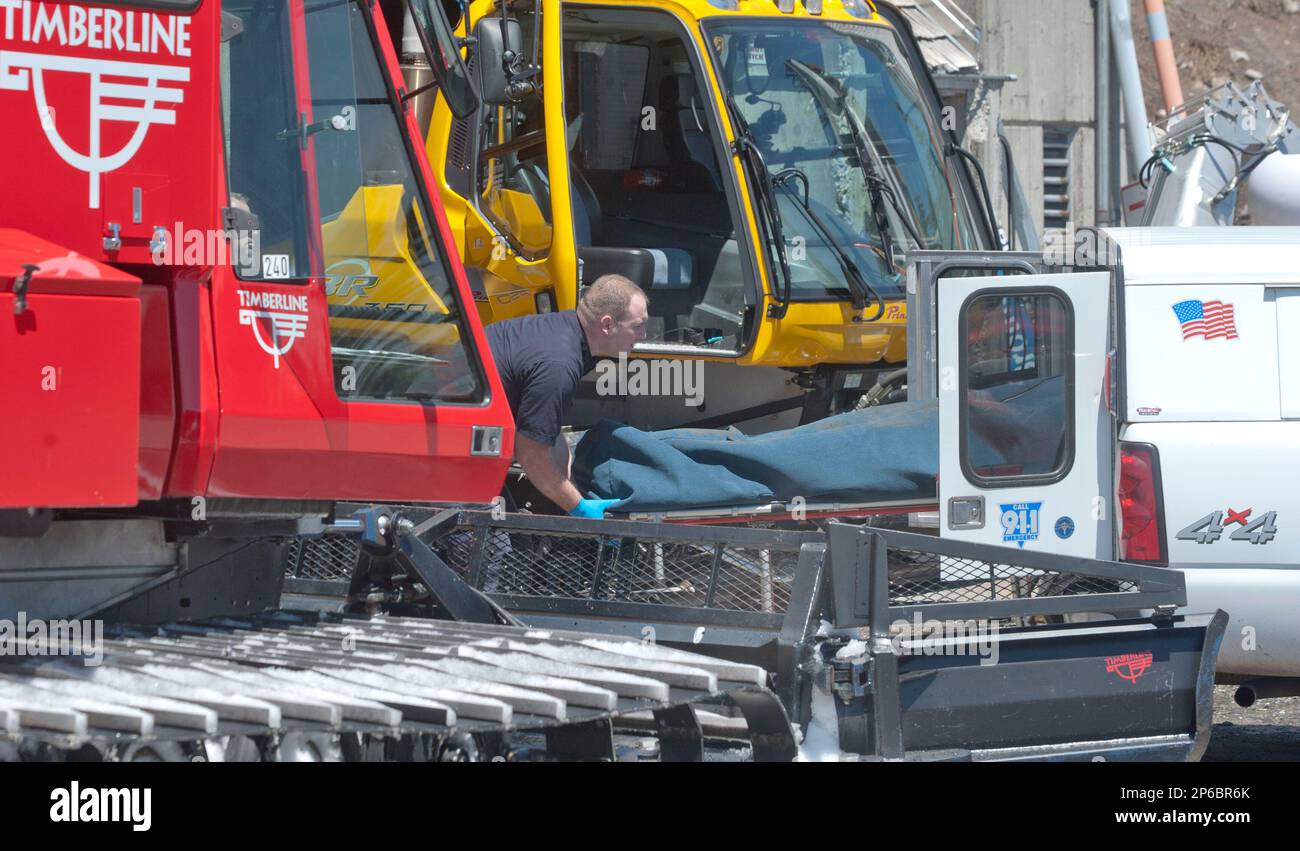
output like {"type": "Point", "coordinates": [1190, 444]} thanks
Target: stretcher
{"type": "Point", "coordinates": [921, 514]}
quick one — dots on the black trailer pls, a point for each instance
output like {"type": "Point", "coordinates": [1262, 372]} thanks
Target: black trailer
{"type": "Point", "coordinates": [905, 646]}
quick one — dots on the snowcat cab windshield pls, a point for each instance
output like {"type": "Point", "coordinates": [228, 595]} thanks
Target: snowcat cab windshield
{"type": "Point", "coordinates": [770, 68]}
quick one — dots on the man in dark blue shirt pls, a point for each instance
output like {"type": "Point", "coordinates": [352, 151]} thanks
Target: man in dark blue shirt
{"type": "Point", "coordinates": [542, 358]}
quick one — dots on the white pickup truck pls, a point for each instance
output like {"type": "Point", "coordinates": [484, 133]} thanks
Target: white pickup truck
{"type": "Point", "coordinates": [1144, 384]}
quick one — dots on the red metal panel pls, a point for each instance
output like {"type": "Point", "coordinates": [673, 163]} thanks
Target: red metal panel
{"type": "Point", "coordinates": [196, 383]}
{"type": "Point", "coordinates": [302, 88]}
{"type": "Point", "coordinates": [61, 271]}
{"type": "Point", "coordinates": [157, 391]}
{"type": "Point", "coordinates": [98, 102]}
{"type": "Point", "coordinates": [71, 436]}
{"type": "Point", "coordinates": [285, 433]}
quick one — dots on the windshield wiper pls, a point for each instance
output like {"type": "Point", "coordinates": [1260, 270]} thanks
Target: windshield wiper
{"type": "Point", "coordinates": [835, 101]}
{"type": "Point", "coordinates": [860, 291]}
{"type": "Point", "coordinates": [760, 178]}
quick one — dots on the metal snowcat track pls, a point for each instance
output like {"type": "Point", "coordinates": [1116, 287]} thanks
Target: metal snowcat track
{"type": "Point", "coordinates": [295, 686]}
{"type": "Point", "coordinates": [1020, 655]}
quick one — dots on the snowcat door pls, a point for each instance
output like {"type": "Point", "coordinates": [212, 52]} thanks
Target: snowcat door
{"type": "Point", "coordinates": [348, 367]}
{"type": "Point", "coordinates": [1025, 430]}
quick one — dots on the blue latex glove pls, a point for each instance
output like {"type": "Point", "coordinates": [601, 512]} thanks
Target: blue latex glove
{"type": "Point", "coordinates": [593, 509]}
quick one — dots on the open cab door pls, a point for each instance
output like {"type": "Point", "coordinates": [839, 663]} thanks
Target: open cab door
{"type": "Point", "coordinates": [1026, 436]}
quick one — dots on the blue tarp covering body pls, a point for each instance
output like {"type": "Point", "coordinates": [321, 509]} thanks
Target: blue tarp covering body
{"type": "Point", "coordinates": [875, 455]}
{"type": "Point", "coordinates": [884, 454]}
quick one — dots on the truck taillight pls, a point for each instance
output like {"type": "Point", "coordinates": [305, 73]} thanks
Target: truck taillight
{"type": "Point", "coordinates": [1141, 510]}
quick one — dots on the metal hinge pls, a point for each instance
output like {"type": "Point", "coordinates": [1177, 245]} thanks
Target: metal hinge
{"type": "Point", "coordinates": [158, 244]}
{"type": "Point", "coordinates": [231, 26]}
{"type": "Point", "coordinates": [852, 678]}
{"type": "Point", "coordinates": [20, 287]}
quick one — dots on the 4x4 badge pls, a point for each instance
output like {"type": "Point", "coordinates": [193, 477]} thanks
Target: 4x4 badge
{"type": "Point", "coordinates": [1210, 528]}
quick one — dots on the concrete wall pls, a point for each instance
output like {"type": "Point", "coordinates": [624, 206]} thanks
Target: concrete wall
{"type": "Point", "coordinates": [1049, 45]}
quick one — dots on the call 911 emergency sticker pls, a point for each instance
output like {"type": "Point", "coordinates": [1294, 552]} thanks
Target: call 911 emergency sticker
{"type": "Point", "coordinates": [1020, 522]}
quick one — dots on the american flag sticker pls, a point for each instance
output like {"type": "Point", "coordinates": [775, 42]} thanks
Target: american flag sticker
{"type": "Point", "coordinates": [1209, 319]}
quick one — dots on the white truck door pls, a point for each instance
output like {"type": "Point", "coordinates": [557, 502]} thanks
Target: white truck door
{"type": "Point", "coordinates": [1026, 436]}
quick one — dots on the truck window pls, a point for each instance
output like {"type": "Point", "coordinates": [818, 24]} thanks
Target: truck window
{"type": "Point", "coordinates": [514, 190]}
{"type": "Point", "coordinates": [645, 171]}
{"type": "Point", "coordinates": [612, 83]}
{"type": "Point", "coordinates": [1017, 378]}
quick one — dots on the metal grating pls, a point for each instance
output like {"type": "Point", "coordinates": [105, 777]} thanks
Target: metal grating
{"type": "Point", "coordinates": [917, 577]}
{"type": "Point", "coordinates": [663, 567]}
{"type": "Point", "coordinates": [458, 145]}
{"type": "Point", "coordinates": [594, 567]}
{"type": "Point", "coordinates": [330, 558]}
{"type": "Point", "coordinates": [741, 576]}
{"type": "Point", "coordinates": [1058, 144]}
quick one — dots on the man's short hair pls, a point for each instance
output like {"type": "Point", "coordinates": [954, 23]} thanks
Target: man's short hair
{"type": "Point", "coordinates": [609, 295]}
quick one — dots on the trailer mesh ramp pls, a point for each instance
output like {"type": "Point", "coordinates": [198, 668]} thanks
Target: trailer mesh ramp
{"type": "Point", "coordinates": [919, 576]}
{"type": "Point", "coordinates": [715, 574]}
{"type": "Point", "coordinates": [373, 687]}
{"type": "Point", "coordinates": [749, 577]}
{"type": "Point", "coordinates": [725, 568]}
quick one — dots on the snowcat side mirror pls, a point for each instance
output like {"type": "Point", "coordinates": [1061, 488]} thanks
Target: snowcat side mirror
{"type": "Point", "coordinates": [498, 44]}
{"type": "Point", "coordinates": [443, 52]}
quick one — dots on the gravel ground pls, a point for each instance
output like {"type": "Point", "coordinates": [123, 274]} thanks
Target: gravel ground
{"type": "Point", "coordinates": [1269, 731]}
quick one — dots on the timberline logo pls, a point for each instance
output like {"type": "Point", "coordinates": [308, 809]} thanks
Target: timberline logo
{"type": "Point", "coordinates": [91, 804]}
{"type": "Point", "coordinates": [135, 94]}
{"type": "Point", "coordinates": [1130, 666]}
{"type": "Point", "coordinates": [277, 320]}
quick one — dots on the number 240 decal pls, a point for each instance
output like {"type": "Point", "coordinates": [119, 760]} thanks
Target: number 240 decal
{"type": "Point", "coordinates": [1211, 527]}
